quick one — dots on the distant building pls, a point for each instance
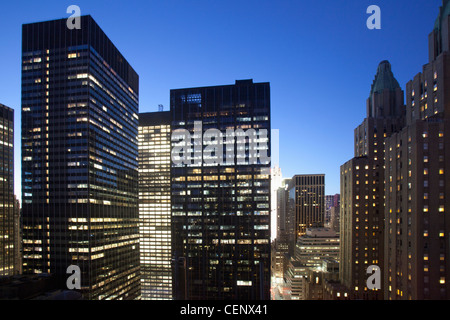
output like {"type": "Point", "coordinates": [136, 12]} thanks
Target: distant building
{"type": "Point", "coordinates": [320, 277]}
{"type": "Point", "coordinates": [306, 205]}
{"type": "Point", "coordinates": [284, 229]}
{"type": "Point", "coordinates": [275, 183]}
{"type": "Point", "coordinates": [17, 237]}
{"type": "Point", "coordinates": [317, 246]}
{"type": "Point", "coordinates": [8, 232]}
{"type": "Point", "coordinates": [335, 290]}
{"type": "Point", "coordinates": [335, 219]}
{"type": "Point", "coordinates": [283, 222]}
{"type": "Point", "coordinates": [295, 281]}
{"type": "Point", "coordinates": [331, 201]}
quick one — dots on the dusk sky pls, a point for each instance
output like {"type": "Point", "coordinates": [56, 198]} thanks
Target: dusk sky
{"type": "Point", "coordinates": [319, 57]}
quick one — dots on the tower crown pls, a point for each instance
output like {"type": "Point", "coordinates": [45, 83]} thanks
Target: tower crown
{"type": "Point", "coordinates": [384, 79]}
{"type": "Point", "coordinates": [443, 12]}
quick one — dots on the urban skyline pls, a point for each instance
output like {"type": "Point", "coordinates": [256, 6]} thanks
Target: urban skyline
{"type": "Point", "coordinates": [187, 204]}
{"type": "Point", "coordinates": [284, 67]}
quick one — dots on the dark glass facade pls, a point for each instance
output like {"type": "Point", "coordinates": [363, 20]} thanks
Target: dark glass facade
{"type": "Point", "coordinates": [221, 212]}
{"type": "Point", "coordinates": [7, 201]}
{"type": "Point", "coordinates": [80, 158]}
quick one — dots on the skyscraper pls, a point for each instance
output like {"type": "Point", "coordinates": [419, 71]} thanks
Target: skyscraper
{"type": "Point", "coordinates": [331, 201]}
{"type": "Point", "coordinates": [154, 205]}
{"type": "Point", "coordinates": [285, 229]}
{"type": "Point", "coordinates": [80, 158]}
{"type": "Point", "coordinates": [306, 205]}
{"type": "Point", "coordinates": [220, 197]}
{"type": "Point", "coordinates": [362, 185]}
{"type": "Point", "coordinates": [8, 254]}
{"type": "Point", "coordinates": [275, 183]}
{"type": "Point", "coordinates": [283, 222]}
{"type": "Point", "coordinates": [417, 264]}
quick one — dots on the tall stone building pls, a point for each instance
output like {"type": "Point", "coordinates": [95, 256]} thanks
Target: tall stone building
{"type": "Point", "coordinates": [417, 254]}
{"type": "Point", "coordinates": [362, 185]}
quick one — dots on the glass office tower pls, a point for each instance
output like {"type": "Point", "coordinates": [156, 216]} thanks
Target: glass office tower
{"type": "Point", "coordinates": [221, 210]}
{"type": "Point", "coordinates": [154, 205]}
{"type": "Point", "coordinates": [80, 158]}
{"type": "Point", "coordinates": [7, 201]}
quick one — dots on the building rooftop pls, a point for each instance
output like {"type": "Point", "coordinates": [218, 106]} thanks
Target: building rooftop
{"type": "Point", "coordinates": [34, 287]}
{"type": "Point", "coordinates": [443, 12]}
{"type": "Point", "coordinates": [320, 233]}
{"type": "Point", "coordinates": [384, 79]}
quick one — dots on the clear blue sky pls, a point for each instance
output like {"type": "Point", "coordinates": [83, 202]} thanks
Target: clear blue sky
{"type": "Point", "coordinates": [319, 57]}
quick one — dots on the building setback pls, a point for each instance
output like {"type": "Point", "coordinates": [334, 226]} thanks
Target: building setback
{"type": "Point", "coordinates": [312, 249]}
{"type": "Point", "coordinates": [154, 205]}
{"type": "Point", "coordinates": [80, 159]}
{"type": "Point", "coordinates": [417, 264]}
{"type": "Point", "coordinates": [8, 218]}
{"type": "Point", "coordinates": [221, 212]}
{"type": "Point", "coordinates": [362, 186]}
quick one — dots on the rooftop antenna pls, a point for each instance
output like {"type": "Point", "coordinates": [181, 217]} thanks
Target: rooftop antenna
{"type": "Point", "coordinates": [160, 107]}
